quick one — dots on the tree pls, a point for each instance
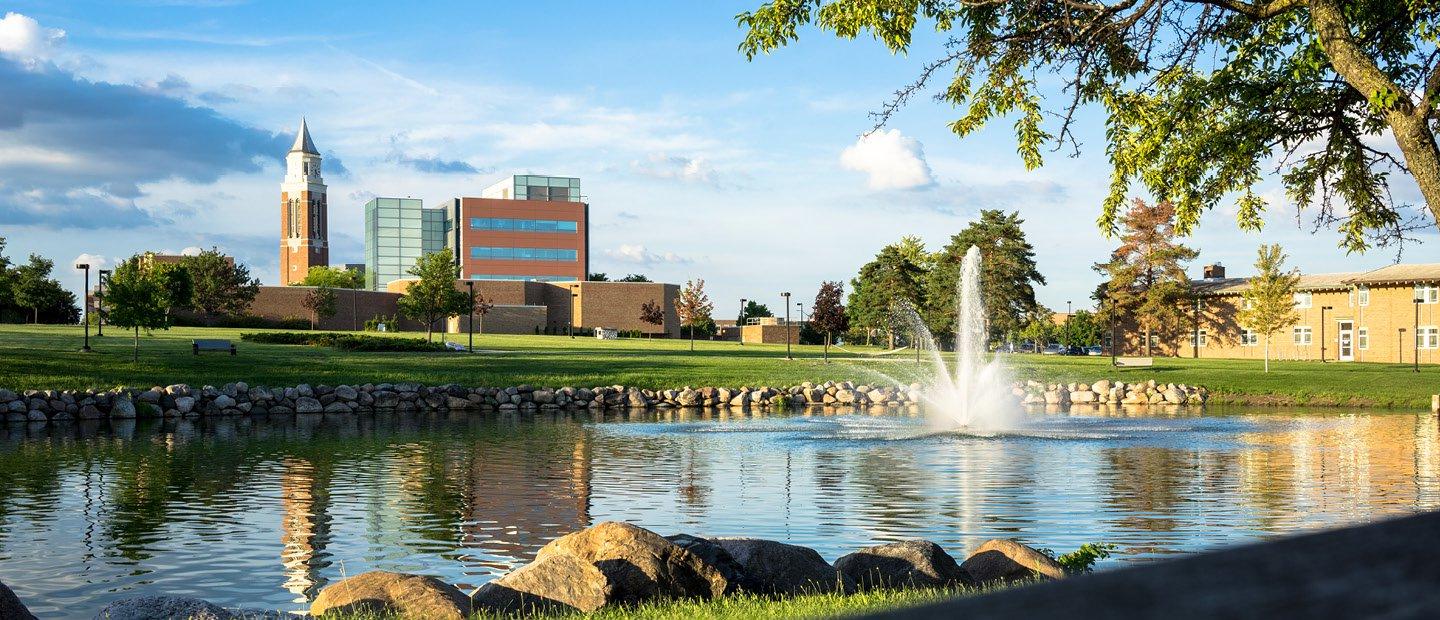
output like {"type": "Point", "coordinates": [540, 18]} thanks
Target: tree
{"type": "Point", "coordinates": [1270, 298]}
{"type": "Point", "coordinates": [333, 277]}
{"type": "Point", "coordinates": [321, 302]}
{"type": "Point", "coordinates": [136, 299]}
{"type": "Point", "coordinates": [480, 306]}
{"type": "Point", "coordinates": [634, 277]}
{"type": "Point", "coordinates": [1083, 329]}
{"type": "Point", "coordinates": [1040, 328]}
{"type": "Point", "coordinates": [755, 309]}
{"type": "Point", "coordinates": [694, 307]}
{"type": "Point", "coordinates": [433, 296]}
{"type": "Point", "coordinates": [7, 285]}
{"type": "Point", "coordinates": [598, 276]}
{"type": "Point", "coordinates": [652, 313]}
{"type": "Point", "coordinates": [827, 314]}
{"type": "Point", "coordinates": [1008, 275]}
{"type": "Point", "coordinates": [222, 286]}
{"type": "Point", "coordinates": [1199, 95]}
{"type": "Point", "coordinates": [894, 276]}
{"type": "Point", "coordinates": [1147, 281]}
{"type": "Point", "coordinates": [41, 294]}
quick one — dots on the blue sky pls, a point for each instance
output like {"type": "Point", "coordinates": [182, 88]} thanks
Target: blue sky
{"type": "Point", "coordinates": [161, 124]}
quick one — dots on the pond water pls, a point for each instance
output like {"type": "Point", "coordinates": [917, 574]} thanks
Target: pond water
{"type": "Point", "coordinates": [262, 512]}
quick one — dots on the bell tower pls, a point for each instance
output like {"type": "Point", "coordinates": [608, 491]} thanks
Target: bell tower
{"type": "Point", "coordinates": [304, 220]}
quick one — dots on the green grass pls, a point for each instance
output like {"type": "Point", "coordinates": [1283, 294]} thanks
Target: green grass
{"type": "Point", "coordinates": [47, 357]}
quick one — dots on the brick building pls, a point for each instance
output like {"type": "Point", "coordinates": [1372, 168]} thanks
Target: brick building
{"type": "Point", "coordinates": [304, 215]}
{"type": "Point", "coordinates": [526, 227]}
{"type": "Point", "coordinates": [521, 307]}
{"type": "Point", "coordinates": [1370, 316]}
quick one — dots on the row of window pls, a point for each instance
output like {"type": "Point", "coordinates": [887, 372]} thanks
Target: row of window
{"type": "Point", "coordinates": [542, 254]}
{"type": "Point", "coordinates": [501, 223]}
{"type": "Point", "coordinates": [491, 276]}
{"type": "Point", "coordinates": [1427, 337]}
{"type": "Point", "coordinates": [1360, 296]}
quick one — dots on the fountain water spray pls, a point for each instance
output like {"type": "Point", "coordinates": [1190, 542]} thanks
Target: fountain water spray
{"type": "Point", "coordinates": [974, 393]}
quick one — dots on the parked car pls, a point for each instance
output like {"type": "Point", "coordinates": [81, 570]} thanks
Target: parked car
{"type": "Point", "coordinates": [1027, 347]}
{"type": "Point", "coordinates": [1095, 350]}
{"type": "Point", "coordinates": [1075, 349]}
{"type": "Point", "coordinates": [1054, 349]}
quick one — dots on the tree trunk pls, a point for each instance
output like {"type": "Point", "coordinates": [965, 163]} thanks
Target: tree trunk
{"type": "Point", "coordinates": [1148, 352]}
{"type": "Point", "coordinates": [1408, 121]}
{"type": "Point", "coordinates": [692, 338]}
{"type": "Point", "coordinates": [137, 345]}
{"type": "Point", "coordinates": [1267, 353]}
{"type": "Point", "coordinates": [827, 347]}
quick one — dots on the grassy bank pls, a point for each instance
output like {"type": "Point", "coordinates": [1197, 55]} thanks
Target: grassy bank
{"type": "Point", "coordinates": [47, 357]}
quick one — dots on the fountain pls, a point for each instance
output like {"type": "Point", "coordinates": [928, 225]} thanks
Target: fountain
{"type": "Point", "coordinates": [974, 393]}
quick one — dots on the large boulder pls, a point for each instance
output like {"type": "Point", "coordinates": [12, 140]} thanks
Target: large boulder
{"type": "Point", "coordinates": [1006, 560]}
{"type": "Point", "coordinates": [150, 607]}
{"type": "Point", "coordinates": [639, 564]}
{"type": "Point", "coordinates": [555, 583]}
{"type": "Point", "coordinates": [906, 564]}
{"type": "Point", "coordinates": [11, 607]}
{"type": "Point", "coordinates": [777, 568]}
{"type": "Point", "coordinates": [714, 555]}
{"type": "Point", "coordinates": [399, 594]}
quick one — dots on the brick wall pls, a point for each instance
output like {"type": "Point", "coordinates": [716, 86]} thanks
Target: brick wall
{"type": "Point", "coordinates": [354, 307]}
{"type": "Point", "coordinates": [503, 320]}
{"type": "Point", "coordinates": [770, 334]}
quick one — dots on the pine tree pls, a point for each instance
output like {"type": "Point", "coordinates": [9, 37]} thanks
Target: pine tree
{"type": "Point", "coordinates": [1270, 298]}
{"type": "Point", "coordinates": [1008, 275]}
{"type": "Point", "coordinates": [1147, 281]}
{"type": "Point", "coordinates": [894, 276]}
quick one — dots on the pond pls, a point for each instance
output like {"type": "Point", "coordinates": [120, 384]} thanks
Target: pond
{"type": "Point", "coordinates": [262, 512]}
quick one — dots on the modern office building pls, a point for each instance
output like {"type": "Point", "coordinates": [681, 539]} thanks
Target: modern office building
{"type": "Point", "coordinates": [526, 227]}
{"type": "Point", "coordinates": [398, 231]}
{"type": "Point", "coordinates": [304, 217]}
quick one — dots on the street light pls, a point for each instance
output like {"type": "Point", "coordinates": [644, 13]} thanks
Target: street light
{"type": "Point", "coordinates": [470, 322]}
{"type": "Point", "coordinates": [85, 293]}
{"type": "Point", "coordinates": [1322, 331]}
{"type": "Point", "coordinates": [787, 325]}
{"type": "Point", "coordinates": [1418, 301]}
{"type": "Point", "coordinates": [1068, 312]}
{"type": "Point", "coordinates": [100, 301]}
{"type": "Point", "coordinates": [801, 306]}
{"type": "Point", "coordinates": [740, 323]}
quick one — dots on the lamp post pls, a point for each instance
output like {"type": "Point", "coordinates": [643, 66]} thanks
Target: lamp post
{"type": "Point", "coordinates": [1400, 349]}
{"type": "Point", "coordinates": [1068, 311]}
{"type": "Point", "coordinates": [740, 323]}
{"type": "Point", "coordinates": [786, 295]}
{"type": "Point", "coordinates": [104, 274]}
{"type": "Point", "coordinates": [470, 322]}
{"type": "Point", "coordinates": [85, 294]}
{"type": "Point", "coordinates": [574, 298]}
{"type": "Point", "coordinates": [1418, 301]}
{"type": "Point", "coordinates": [801, 306]}
{"type": "Point", "coordinates": [1322, 331]}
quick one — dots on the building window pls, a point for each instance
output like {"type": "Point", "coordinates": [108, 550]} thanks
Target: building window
{"type": "Point", "coordinates": [1428, 337]}
{"type": "Point", "coordinates": [534, 254]}
{"type": "Point", "coordinates": [1248, 338]}
{"type": "Point", "coordinates": [490, 276]}
{"type": "Point", "coordinates": [1427, 293]}
{"type": "Point", "coordinates": [1198, 339]}
{"type": "Point", "coordinates": [1362, 338]}
{"type": "Point", "coordinates": [1363, 294]}
{"type": "Point", "coordinates": [1302, 336]}
{"type": "Point", "coordinates": [1302, 299]}
{"type": "Point", "coordinates": [501, 223]}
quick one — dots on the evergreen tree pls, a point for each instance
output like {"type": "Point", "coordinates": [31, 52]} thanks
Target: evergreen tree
{"type": "Point", "coordinates": [634, 277]}
{"type": "Point", "coordinates": [8, 307]}
{"type": "Point", "coordinates": [1008, 275]}
{"type": "Point", "coordinates": [222, 286]}
{"type": "Point", "coordinates": [1270, 298]}
{"type": "Point", "coordinates": [894, 276]}
{"type": "Point", "coordinates": [137, 299]}
{"type": "Point", "coordinates": [694, 307]}
{"type": "Point", "coordinates": [434, 296]}
{"type": "Point", "coordinates": [827, 314]}
{"type": "Point", "coordinates": [1147, 281]}
{"type": "Point", "coordinates": [598, 276]}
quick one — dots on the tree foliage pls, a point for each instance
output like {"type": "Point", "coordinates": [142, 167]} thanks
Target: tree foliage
{"type": "Point", "coordinates": [634, 277]}
{"type": "Point", "coordinates": [694, 307]}
{"type": "Point", "coordinates": [333, 277]}
{"type": "Point", "coordinates": [322, 303]}
{"type": "Point", "coordinates": [222, 286]}
{"type": "Point", "coordinates": [35, 290]}
{"type": "Point", "coordinates": [895, 275]}
{"type": "Point", "coordinates": [1146, 273]}
{"type": "Point", "coordinates": [433, 295]}
{"type": "Point", "coordinates": [137, 298]}
{"type": "Point", "coordinates": [652, 313]}
{"type": "Point", "coordinates": [1269, 304]}
{"type": "Point", "coordinates": [480, 306]}
{"type": "Point", "coordinates": [598, 276]}
{"type": "Point", "coordinates": [1199, 96]}
{"type": "Point", "coordinates": [827, 313]}
{"type": "Point", "coordinates": [1008, 275]}
{"type": "Point", "coordinates": [1083, 329]}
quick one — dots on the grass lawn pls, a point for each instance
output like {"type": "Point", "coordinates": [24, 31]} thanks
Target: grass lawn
{"type": "Point", "coordinates": [47, 357]}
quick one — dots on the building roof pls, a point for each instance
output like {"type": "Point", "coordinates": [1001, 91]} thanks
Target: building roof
{"type": "Point", "coordinates": [1399, 274]}
{"type": "Point", "coordinates": [303, 143]}
{"type": "Point", "coordinates": [1326, 281]}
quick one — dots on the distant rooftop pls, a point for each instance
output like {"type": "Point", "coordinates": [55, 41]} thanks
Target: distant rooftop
{"type": "Point", "coordinates": [1393, 274]}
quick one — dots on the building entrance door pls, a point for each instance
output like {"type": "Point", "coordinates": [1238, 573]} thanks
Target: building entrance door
{"type": "Point", "coordinates": [1347, 341]}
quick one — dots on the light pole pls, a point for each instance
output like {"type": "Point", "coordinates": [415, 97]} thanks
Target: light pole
{"type": "Point", "coordinates": [85, 294]}
{"type": "Point", "coordinates": [740, 323]}
{"type": "Point", "coordinates": [801, 306]}
{"type": "Point", "coordinates": [574, 298]}
{"type": "Point", "coordinates": [104, 274]}
{"type": "Point", "coordinates": [1068, 312]}
{"type": "Point", "coordinates": [1418, 301]}
{"type": "Point", "coordinates": [786, 295]}
{"type": "Point", "coordinates": [1322, 331]}
{"type": "Point", "coordinates": [470, 322]}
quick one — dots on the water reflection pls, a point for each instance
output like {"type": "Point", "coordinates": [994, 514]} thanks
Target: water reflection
{"type": "Point", "coordinates": [265, 511]}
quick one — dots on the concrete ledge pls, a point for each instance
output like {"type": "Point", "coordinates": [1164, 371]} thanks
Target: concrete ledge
{"type": "Point", "coordinates": [1387, 569]}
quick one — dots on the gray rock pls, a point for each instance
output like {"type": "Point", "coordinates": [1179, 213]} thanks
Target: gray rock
{"type": "Point", "coordinates": [715, 556]}
{"type": "Point", "coordinates": [337, 407]}
{"type": "Point", "coordinates": [184, 404]}
{"type": "Point", "coordinates": [773, 567]}
{"type": "Point", "coordinates": [399, 594]}
{"type": "Point", "coordinates": [305, 404]}
{"type": "Point", "coordinates": [346, 392]}
{"type": "Point", "coordinates": [556, 583]}
{"type": "Point", "coordinates": [911, 563]}
{"type": "Point", "coordinates": [122, 408]}
{"type": "Point", "coordinates": [10, 606]}
{"type": "Point", "coordinates": [224, 401]}
{"type": "Point", "coordinates": [153, 607]}
{"type": "Point", "coordinates": [1007, 560]}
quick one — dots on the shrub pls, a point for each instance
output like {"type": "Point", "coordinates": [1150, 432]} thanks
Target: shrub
{"type": "Point", "coordinates": [1083, 560]}
{"type": "Point", "coordinates": [344, 342]}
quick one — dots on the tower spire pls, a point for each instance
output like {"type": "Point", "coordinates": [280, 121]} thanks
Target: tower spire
{"type": "Point", "coordinates": [302, 140]}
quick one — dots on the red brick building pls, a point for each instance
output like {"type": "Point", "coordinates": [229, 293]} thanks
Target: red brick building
{"type": "Point", "coordinates": [304, 217]}
{"type": "Point", "coordinates": [526, 227]}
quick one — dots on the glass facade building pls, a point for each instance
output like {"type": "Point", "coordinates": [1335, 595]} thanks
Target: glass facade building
{"type": "Point", "coordinates": [398, 231]}
{"type": "Point", "coordinates": [535, 187]}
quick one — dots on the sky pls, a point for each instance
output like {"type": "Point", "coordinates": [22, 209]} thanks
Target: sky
{"type": "Point", "coordinates": [162, 125]}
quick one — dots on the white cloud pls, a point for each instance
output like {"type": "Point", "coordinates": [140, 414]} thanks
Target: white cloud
{"type": "Point", "coordinates": [25, 40]}
{"type": "Point", "coordinates": [639, 255]}
{"type": "Point", "coordinates": [686, 169]}
{"type": "Point", "coordinates": [892, 160]}
{"type": "Point", "coordinates": [95, 261]}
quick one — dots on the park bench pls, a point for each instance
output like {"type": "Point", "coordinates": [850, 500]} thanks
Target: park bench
{"type": "Point", "coordinates": [211, 345]}
{"type": "Point", "coordinates": [1134, 362]}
